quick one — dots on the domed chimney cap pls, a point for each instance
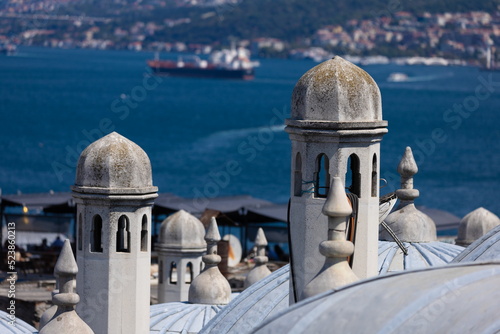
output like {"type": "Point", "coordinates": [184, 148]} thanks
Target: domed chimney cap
{"type": "Point", "coordinates": [476, 224]}
{"type": "Point", "coordinates": [337, 91]}
{"type": "Point", "coordinates": [114, 164]}
{"type": "Point", "coordinates": [182, 230]}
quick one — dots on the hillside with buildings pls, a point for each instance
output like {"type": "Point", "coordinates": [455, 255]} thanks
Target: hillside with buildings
{"type": "Point", "coordinates": [451, 29]}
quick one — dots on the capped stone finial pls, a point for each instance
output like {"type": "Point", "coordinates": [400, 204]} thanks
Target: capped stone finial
{"type": "Point", "coordinates": [260, 240]}
{"type": "Point", "coordinates": [212, 236]}
{"type": "Point", "coordinates": [66, 320]}
{"type": "Point", "coordinates": [408, 223]}
{"type": "Point", "coordinates": [336, 271]}
{"type": "Point", "coordinates": [260, 270]}
{"type": "Point", "coordinates": [210, 286]}
{"type": "Point", "coordinates": [407, 168]}
{"type": "Point", "coordinates": [474, 225]}
{"type": "Point", "coordinates": [336, 204]}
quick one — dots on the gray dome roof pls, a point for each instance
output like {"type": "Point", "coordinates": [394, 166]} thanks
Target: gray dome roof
{"type": "Point", "coordinates": [420, 255]}
{"type": "Point", "coordinates": [182, 230]}
{"type": "Point", "coordinates": [476, 224]}
{"type": "Point", "coordinates": [270, 295]}
{"type": "Point", "coordinates": [449, 299]}
{"type": "Point", "coordinates": [179, 317]}
{"type": "Point", "coordinates": [116, 164]}
{"type": "Point", "coordinates": [20, 328]}
{"type": "Point", "coordinates": [336, 90]}
{"type": "Point", "coordinates": [255, 304]}
{"type": "Point", "coordinates": [486, 248]}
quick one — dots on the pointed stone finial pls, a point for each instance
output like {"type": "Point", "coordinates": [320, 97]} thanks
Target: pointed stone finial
{"type": "Point", "coordinates": [212, 235]}
{"type": "Point", "coordinates": [260, 240]}
{"type": "Point", "coordinates": [66, 320]}
{"type": "Point", "coordinates": [407, 168]}
{"type": "Point", "coordinates": [408, 223]}
{"type": "Point", "coordinates": [260, 270]}
{"type": "Point", "coordinates": [210, 286]}
{"type": "Point", "coordinates": [336, 204]}
{"type": "Point", "coordinates": [336, 271]}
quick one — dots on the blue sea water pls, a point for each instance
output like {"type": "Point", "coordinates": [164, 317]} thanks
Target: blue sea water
{"type": "Point", "coordinates": [53, 102]}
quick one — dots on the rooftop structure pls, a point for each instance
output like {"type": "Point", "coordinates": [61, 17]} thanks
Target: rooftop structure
{"type": "Point", "coordinates": [114, 195]}
{"type": "Point", "coordinates": [210, 287]}
{"type": "Point", "coordinates": [433, 304]}
{"type": "Point", "coordinates": [180, 247]}
{"type": "Point", "coordinates": [335, 127]}
{"type": "Point", "coordinates": [486, 248]}
{"type": "Point", "coordinates": [260, 270]}
{"type": "Point", "coordinates": [408, 236]}
{"type": "Point", "coordinates": [65, 319]}
{"type": "Point", "coordinates": [474, 225]}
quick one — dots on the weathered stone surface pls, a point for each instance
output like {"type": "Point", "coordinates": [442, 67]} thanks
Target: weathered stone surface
{"type": "Point", "coordinates": [336, 90]}
{"type": "Point", "coordinates": [114, 195]}
{"type": "Point", "coordinates": [336, 271]}
{"type": "Point", "coordinates": [182, 230]}
{"type": "Point", "coordinates": [407, 222]}
{"type": "Point", "coordinates": [335, 127]}
{"type": "Point", "coordinates": [210, 287]}
{"type": "Point", "coordinates": [181, 244]}
{"type": "Point", "coordinates": [260, 270]}
{"type": "Point", "coordinates": [114, 162]}
{"type": "Point", "coordinates": [66, 320]}
{"type": "Point", "coordinates": [476, 224]}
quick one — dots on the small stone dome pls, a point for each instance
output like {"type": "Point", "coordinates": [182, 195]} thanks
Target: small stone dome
{"type": "Point", "coordinates": [447, 299]}
{"type": "Point", "coordinates": [410, 225]}
{"type": "Point", "coordinates": [337, 91]}
{"type": "Point", "coordinates": [476, 224]}
{"type": "Point", "coordinates": [486, 248]}
{"type": "Point", "coordinates": [116, 163]}
{"type": "Point", "coordinates": [182, 230]}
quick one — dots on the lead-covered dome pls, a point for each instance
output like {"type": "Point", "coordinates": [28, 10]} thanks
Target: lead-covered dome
{"type": "Point", "coordinates": [336, 91]}
{"type": "Point", "coordinates": [448, 299]}
{"type": "Point", "coordinates": [20, 327]}
{"type": "Point", "coordinates": [183, 231]}
{"type": "Point", "coordinates": [180, 317]}
{"type": "Point", "coordinates": [486, 248]}
{"type": "Point", "coordinates": [115, 163]}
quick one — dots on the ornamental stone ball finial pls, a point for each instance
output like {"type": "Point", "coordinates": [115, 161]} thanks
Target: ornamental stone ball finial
{"type": "Point", "coordinates": [336, 271]}
{"type": "Point", "coordinates": [66, 320]}
{"type": "Point", "coordinates": [408, 223]}
{"type": "Point", "coordinates": [260, 270]}
{"type": "Point", "coordinates": [210, 287]}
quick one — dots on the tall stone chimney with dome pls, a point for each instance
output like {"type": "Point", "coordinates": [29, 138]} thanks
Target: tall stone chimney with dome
{"type": "Point", "coordinates": [335, 127]}
{"type": "Point", "coordinates": [114, 195]}
{"type": "Point", "coordinates": [180, 247]}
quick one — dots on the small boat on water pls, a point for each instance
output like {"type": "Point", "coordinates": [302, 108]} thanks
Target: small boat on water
{"type": "Point", "coordinates": [225, 64]}
{"type": "Point", "coordinates": [397, 77]}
